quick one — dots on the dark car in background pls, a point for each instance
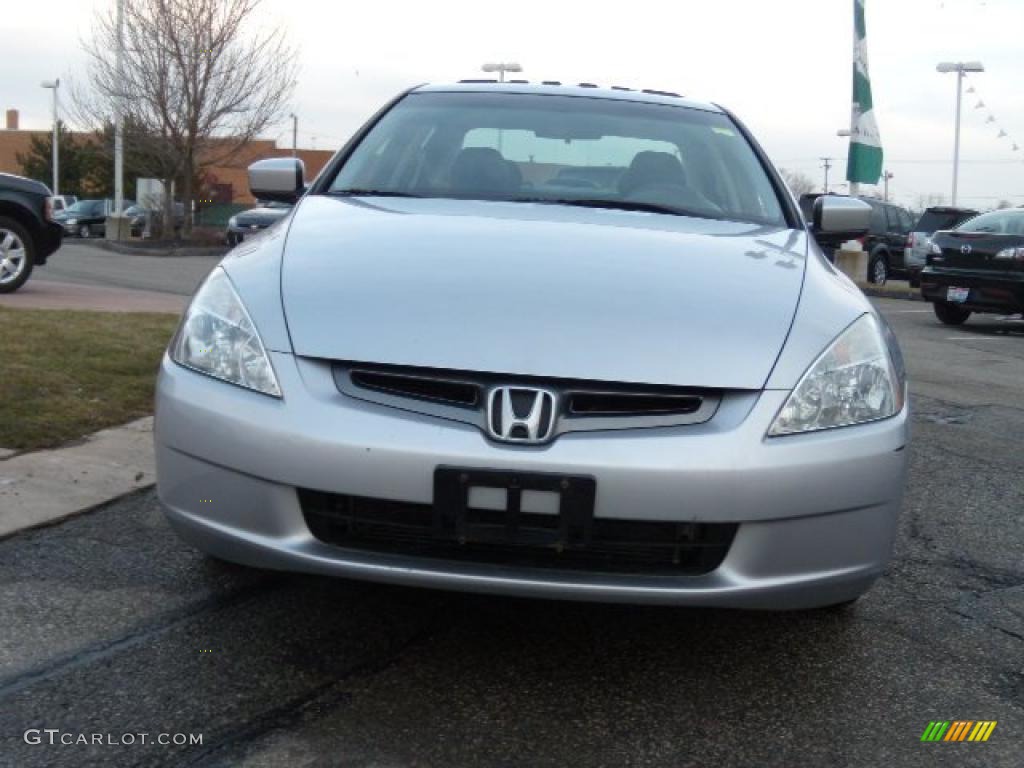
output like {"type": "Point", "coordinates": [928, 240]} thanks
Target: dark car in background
{"type": "Point", "coordinates": [253, 220]}
{"type": "Point", "coordinates": [977, 267]}
{"type": "Point", "coordinates": [28, 233]}
{"type": "Point", "coordinates": [139, 215]}
{"type": "Point", "coordinates": [884, 242]}
{"type": "Point", "coordinates": [88, 218]}
{"type": "Point", "coordinates": [919, 241]}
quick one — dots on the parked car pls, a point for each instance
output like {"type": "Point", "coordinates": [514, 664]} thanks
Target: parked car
{"type": "Point", "coordinates": [140, 213]}
{"type": "Point", "coordinates": [28, 233]}
{"type": "Point", "coordinates": [88, 218]}
{"type": "Point", "coordinates": [919, 240]}
{"type": "Point", "coordinates": [977, 267]}
{"type": "Point", "coordinates": [886, 240]}
{"type": "Point", "coordinates": [255, 219]}
{"type": "Point", "coordinates": [60, 204]}
{"type": "Point", "coordinates": [431, 374]}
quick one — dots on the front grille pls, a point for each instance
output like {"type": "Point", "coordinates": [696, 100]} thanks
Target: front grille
{"type": "Point", "coordinates": [628, 404]}
{"type": "Point", "coordinates": [444, 390]}
{"type": "Point", "coordinates": [580, 406]}
{"type": "Point", "coordinates": [619, 546]}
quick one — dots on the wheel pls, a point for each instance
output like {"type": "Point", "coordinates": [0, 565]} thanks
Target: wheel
{"type": "Point", "coordinates": [17, 255]}
{"type": "Point", "coordinates": [84, 231]}
{"type": "Point", "coordinates": [950, 314]}
{"type": "Point", "coordinates": [878, 270]}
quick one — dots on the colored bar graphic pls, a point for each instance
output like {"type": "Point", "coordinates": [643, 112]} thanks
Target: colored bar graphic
{"type": "Point", "coordinates": [958, 730]}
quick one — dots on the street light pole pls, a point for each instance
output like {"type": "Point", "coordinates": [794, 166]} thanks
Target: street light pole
{"type": "Point", "coordinates": [295, 135]}
{"type": "Point", "coordinates": [826, 164]}
{"type": "Point", "coordinates": [54, 84]}
{"type": "Point", "coordinates": [885, 177]}
{"type": "Point", "coordinates": [961, 68]}
{"type": "Point", "coordinates": [501, 67]}
{"type": "Point", "coordinates": [119, 121]}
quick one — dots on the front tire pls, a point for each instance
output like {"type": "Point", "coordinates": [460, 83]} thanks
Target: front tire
{"type": "Point", "coordinates": [950, 314]}
{"type": "Point", "coordinates": [878, 270]}
{"type": "Point", "coordinates": [17, 255]}
{"type": "Point", "coordinates": [84, 232]}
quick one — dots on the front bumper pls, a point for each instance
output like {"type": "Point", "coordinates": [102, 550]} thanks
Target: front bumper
{"type": "Point", "coordinates": [817, 513]}
{"type": "Point", "coordinates": [990, 291]}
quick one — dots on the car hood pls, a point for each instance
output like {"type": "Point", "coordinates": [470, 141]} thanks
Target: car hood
{"type": "Point", "coordinates": [541, 290]}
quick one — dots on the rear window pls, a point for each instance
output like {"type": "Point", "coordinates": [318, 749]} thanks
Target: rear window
{"type": "Point", "coordinates": [563, 149]}
{"type": "Point", "coordinates": [933, 221]}
{"type": "Point", "coordinates": [996, 222]}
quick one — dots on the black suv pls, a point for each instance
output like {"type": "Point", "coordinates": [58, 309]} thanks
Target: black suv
{"type": "Point", "coordinates": [886, 240]}
{"type": "Point", "coordinates": [28, 234]}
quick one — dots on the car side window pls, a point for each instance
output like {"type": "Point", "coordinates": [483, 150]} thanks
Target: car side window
{"type": "Point", "coordinates": [879, 223]}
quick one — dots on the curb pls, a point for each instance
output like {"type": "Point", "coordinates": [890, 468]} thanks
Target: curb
{"type": "Point", "coordinates": [138, 249]}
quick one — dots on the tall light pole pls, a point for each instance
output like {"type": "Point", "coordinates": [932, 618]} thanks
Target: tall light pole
{"type": "Point", "coordinates": [961, 68]}
{"type": "Point", "coordinates": [119, 136]}
{"type": "Point", "coordinates": [885, 177]}
{"type": "Point", "coordinates": [295, 135]}
{"type": "Point", "coordinates": [501, 67]}
{"type": "Point", "coordinates": [826, 163]}
{"type": "Point", "coordinates": [54, 84]}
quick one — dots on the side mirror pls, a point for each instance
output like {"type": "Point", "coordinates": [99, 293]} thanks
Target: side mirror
{"type": "Point", "coordinates": [838, 219]}
{"type": "Point", "coordinates": [279, 178]}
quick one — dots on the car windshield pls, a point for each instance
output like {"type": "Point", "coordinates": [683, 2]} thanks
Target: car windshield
{"type": "Point", "coordinates": [596, 152]}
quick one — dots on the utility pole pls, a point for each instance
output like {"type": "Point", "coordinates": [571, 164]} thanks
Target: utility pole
{"type": "Point", "coordinates": [295, 135]}
{"type": "Point", "coordinates": [885, 177]}
{"type": "Point", "coordinates": [119, 121]}
{"type": "Point", "coordinates": [826, 164]}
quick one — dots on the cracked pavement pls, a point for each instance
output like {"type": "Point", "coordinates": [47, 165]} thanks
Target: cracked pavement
{"type": "Point", "coordinates": [111, 625]}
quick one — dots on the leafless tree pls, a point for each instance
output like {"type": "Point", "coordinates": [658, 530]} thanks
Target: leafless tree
{"type": "Point", "coordinates": [199, 78]}
{"type": "Point", "coordinates": [799, 183]}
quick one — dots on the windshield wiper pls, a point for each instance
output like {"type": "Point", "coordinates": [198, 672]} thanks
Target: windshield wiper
{"type": "Point", "coordinates": [622, 205]}
{"type": "Point", "coordinates": [357, 192]}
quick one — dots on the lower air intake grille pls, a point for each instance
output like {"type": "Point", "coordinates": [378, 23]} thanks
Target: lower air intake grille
{"type": "Point", "coordinates": [615, 546]}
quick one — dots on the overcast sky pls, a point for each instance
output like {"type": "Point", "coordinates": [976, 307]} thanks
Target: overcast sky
{"type": "Point", "coordinates": [784, 67]}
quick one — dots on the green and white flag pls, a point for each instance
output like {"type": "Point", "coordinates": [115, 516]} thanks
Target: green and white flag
{"type": "Point", "coordinates": [864, 162]}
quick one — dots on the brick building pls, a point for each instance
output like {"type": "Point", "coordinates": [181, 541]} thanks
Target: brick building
{"type": "Point", "coordinates": [226, 182]}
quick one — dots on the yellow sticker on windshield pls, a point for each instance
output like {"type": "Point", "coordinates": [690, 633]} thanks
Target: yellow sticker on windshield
{"type": "Point", "coordinates": [722, 131]}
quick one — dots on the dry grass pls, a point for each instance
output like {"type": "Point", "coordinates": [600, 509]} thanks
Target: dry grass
{"type": "Point", "coordinates": [65, 374]}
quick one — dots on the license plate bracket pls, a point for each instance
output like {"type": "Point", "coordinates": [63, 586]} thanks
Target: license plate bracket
{"type": "Point", "coordinates": [455, 520]}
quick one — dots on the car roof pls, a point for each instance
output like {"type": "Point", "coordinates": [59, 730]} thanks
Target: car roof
{"type": "Point", "coordinates": [554, 88]}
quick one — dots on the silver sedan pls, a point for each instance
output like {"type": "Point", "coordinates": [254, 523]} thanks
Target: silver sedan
{"type": "Point", "coordinates": [541, 340]}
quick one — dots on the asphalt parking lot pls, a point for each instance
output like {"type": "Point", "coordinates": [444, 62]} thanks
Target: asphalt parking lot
{"type": "Point", "coordinates": [111, 625]}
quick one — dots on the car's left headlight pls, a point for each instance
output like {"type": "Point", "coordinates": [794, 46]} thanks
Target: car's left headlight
{"type": "Point", "coordinates": [217, 337]}
{"type": "Point", "coordinates": [858, 379]}
{"type": "Point", "coordinates": [232, 223]}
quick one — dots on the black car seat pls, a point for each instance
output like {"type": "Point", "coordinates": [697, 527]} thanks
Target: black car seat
{"type": "Point", "coordinates": [482, 171]}
{"type": "Point", "coordinates": [652, 168]}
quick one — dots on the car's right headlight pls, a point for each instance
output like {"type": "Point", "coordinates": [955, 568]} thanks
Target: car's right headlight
{"type": "Point", "coordinates": [232, 222]}
{"type": "Point", "coordinates": [859, 378]}
{"type": "Point", "coordinates": [217, 337]}
{"type": "Point", "coordinates": [72, 222]}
